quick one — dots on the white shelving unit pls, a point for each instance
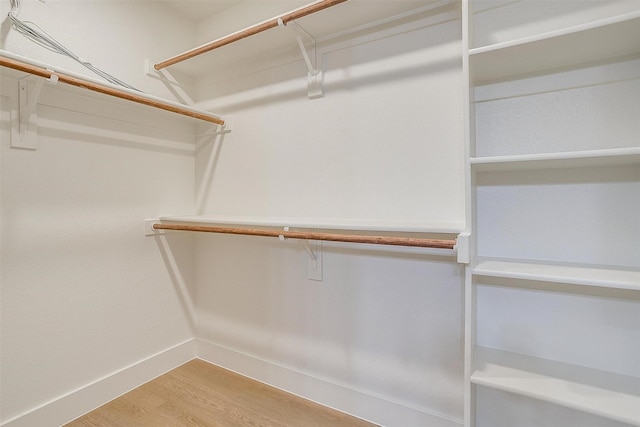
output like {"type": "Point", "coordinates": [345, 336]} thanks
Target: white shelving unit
{"type": "Point", "coordinates": [534, 171]}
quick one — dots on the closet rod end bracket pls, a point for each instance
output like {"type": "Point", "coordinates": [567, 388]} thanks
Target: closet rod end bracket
{"type": "Point", "coordinates": [148, 227]}
{"type": "Point", "coordinates": [463, 248]}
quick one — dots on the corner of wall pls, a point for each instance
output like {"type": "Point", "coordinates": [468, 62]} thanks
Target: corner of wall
{"type": "Point", "coordinates": [78, 402]}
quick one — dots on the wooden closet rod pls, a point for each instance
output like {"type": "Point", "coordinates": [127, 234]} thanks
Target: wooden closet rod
{"type": "Point", "coordinates": [123, 93]}
{"type": "Point", "coordinates": [333, 237]}
{"type": "Point", "coordinates": [258, 28]}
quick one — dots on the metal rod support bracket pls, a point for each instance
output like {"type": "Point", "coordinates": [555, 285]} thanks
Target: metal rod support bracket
{"type": "Point", "coordinates": [24, 132]}
{"type": "Point", "coordinates": [310, 251]}
{"type": "Point", "coordinates": [314, 72]}
{"type": "Point", "coordinates": [314, 261]}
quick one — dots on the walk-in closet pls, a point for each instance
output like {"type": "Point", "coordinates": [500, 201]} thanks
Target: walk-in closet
{"type": "Point", "coordinates": [405, 213]}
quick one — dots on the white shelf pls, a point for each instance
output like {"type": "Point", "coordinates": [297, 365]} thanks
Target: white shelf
{"type": "Point", "coordinates": [596, 41]}
{"type": "Point", "coordinates": [576, 274]}
{"type": "Point", "coordinates": [601, 393]}
{"type": "Point", "coordinates": [321, 223]}
{"type": "Point", "coordinates": [18, 67]}
{"type": "Point", "coordinates": [324, 26]}
{"type": "Point", "coordinates": [608, 157]}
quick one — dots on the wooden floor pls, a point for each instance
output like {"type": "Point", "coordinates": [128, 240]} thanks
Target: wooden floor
{"type": "Point", "coordinates": [201, 394]}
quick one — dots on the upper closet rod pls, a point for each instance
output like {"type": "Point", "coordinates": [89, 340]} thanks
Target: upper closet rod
{"type": "Point", "coordinates": [122, 93]}
{"type": "Point", "coordinates": [307, 235]}
{"type": "Point", "coordinates": [258, 28]}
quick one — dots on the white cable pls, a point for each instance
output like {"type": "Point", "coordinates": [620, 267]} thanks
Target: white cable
{"type": "Point", "coordinates": [37, 35]}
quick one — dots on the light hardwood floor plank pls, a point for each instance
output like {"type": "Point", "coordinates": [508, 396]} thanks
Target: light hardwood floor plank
{"type": "Point", "coordinates": [201, 394]}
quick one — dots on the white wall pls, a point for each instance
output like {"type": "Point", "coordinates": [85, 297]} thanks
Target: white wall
{"type": "Point", "coordinates": [115, 36]}
{"type": "Point", "coordinates": [84, 294]}
{"type": "Point", "coordinates": [383, 145]}
{"type": "Point", "coordinates": [387, 324]}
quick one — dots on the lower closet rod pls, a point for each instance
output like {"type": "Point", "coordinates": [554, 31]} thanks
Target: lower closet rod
{"type": "Point", "coordinates": [333, 237]}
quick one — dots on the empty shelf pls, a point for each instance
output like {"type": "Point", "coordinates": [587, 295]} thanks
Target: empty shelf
{"type": "Point", "coordinates": [577, 274]}
{"type": "Point", "coordinates": [607, 38]}
{"type": "Point", "coordinates": [601, 393]}
{"type": "Point", "coordinates": [607, 157]}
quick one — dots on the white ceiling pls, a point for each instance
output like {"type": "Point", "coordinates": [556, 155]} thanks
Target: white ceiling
{"type": "Point", "coordinates": [197, 10]}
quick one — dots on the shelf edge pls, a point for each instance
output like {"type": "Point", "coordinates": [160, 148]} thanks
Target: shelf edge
{"type": "Point", "coordinates": [529, 376]}
{"type": "Point", "coordinates": [601, 23]}
{"type": "Point", "coordinates": [612, 156]}
{"type": "Point", "coordinates": [506, 272]}
{"type": "Point", "coordinates": [33, 67]}
{"type": "Point", "coordinates": [322, 223]}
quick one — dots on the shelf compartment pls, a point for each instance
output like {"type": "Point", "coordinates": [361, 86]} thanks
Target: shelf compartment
{"type": "Point", "coordinates": [606, 157]}
{"type": "Point", "coordinates": [593, 391]}
{"type": "Point", "coordinates": [576, 274]}
{"type": "Point", "coordinates": [597, 41]}
{"type": "Point", "coordinates": [583, 216]}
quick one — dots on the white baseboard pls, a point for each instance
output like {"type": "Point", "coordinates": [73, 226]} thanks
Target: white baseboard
{"type": "Point", "coordinates": [340, 397]}
{"type": "Point", "coordinates": [78, 402]}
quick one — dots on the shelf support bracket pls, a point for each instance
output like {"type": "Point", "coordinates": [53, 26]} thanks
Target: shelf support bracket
{"type": "Point", "coordinates": [314, 261]}
{"type": "Point", "coordinates": [310, 251]}
{"type": "Point", "coordinates": [314, 73]}
{"type": "Point", "coordinates": [314, 258]}
{"type": "Point", "coordinates": [24, 132]}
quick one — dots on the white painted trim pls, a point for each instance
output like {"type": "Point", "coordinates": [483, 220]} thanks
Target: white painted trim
{"type": "Point", "coordinates": [338, 396]}
{"type": "Point", "coordinates": [78, 402]}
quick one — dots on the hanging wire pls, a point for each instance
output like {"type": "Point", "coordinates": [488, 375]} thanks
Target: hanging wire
{"type": "Point", "coordinates": [37, 35]}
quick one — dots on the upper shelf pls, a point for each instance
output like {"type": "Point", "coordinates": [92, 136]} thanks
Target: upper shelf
{"type": "Point", "coordinates": [31, 67]}
{"type": "Point", "coordinates": [600, 40]}
{"type": "Point", "coordinates": [281, 20]}
{"type": "Point", "coordinates": [341, 19]}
